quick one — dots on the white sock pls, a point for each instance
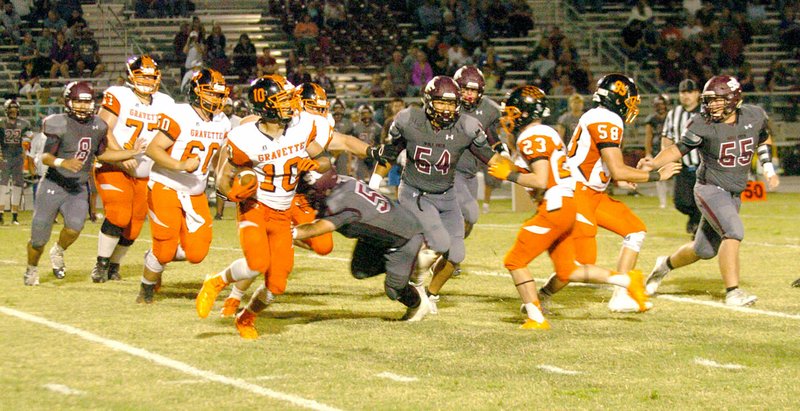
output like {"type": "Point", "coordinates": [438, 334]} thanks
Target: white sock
{"type": "Point", "coordinates": [148, 282]}
{"type": "Point", "coordinates": [621, 280]}
{"type": "Point", "coordinates": [180, 255]}
{"type": "Point", "coordinates": [240, 271]}
{"type": "Point", "coordinates": [534, 313]}
{"type": "Point", "coordinates": [57, 247]}
{"type": "Point", "coordinates": [119, 253]}
{"type": "Point", "coordinates": [106, 244]}
{"type": "Point", "coordinates": [31, 267]}
{"type": "Point", "coordinates": [236, 293]}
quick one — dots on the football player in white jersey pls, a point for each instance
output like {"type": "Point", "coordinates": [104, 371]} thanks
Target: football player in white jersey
{"type": "Point", "coordinates": [183, 151]}
{"type": "Point", "coordinates": [541, 153]}
{"type": "Point", "coordinates": [595, 157]}
{"type": "Point", "coordinates": [131, 113]}
{"type": "Point", "coordinates": [276, 149]}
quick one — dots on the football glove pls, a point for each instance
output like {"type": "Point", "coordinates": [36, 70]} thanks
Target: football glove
{"type": "Point", "coordinates": [307, 164]}
{"type": "Point", "coordinates": [239, 192]}
{"type": "Point", "coordinates": [382, 154]}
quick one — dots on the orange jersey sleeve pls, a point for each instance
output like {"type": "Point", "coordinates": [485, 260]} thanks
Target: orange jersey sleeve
{"type": "Point", "coordinates": [238, 157]}
{"type": "Point", "coordinates": [605, 135]}
{"type": "Point", "coordinates": [168, 126]}
{"type": "Point", "coordinates": [111, 103]}
{"type": "Point", "coordinates": [535, 147]}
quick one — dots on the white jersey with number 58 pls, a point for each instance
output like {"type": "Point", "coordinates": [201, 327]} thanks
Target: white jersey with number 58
{"type": "Point", "coordinates": [598, 128]}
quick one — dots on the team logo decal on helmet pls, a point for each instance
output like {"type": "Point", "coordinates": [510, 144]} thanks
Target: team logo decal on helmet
{"type": "Point", "coordinates": [723, 89]}
{"type": "Point", "coordinates": [523, 105]}
{"type": "Point", "coordinates": [143, 74]}
{"type": "Point", "coordinates": [313, 98]}
{"type": "Point", "coordinates": [470, 78]}
{"type": "Point", "coordinates": [442, 101]}
{"type": "Point", "coordinates": [273, 98]}
{"type": "Point", "coordinates": [619, 94]}
{"type": "Point", "coordinates": [208, 91]}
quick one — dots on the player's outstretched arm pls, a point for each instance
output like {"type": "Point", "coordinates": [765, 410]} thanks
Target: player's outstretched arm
{"type": "Point", "coordinates": [157, 150]}
{"type": "Point", "coordinates": [535, 179]}
{"type": "Point", "coordinates": [309, 230]}
{"type": "Point", "coordinates": [612, 157]}
{"type": "Point", "coordinates": [765, 158]}
{"type": "Point", "coordinates": [121, 155]}
{"type": "Point", "coordinates": [315, 151]}
{"type": "Point", "coordinates": [669, 154]}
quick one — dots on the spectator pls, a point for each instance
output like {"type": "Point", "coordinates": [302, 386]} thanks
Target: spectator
{"type": "Point", "coordinates": [180, 40]}
{"type": "Point", "coordinates": [325, 82]}
{"type": "Point", "coordinates": [520, 20]}
{"type": "Point", "coordinates": [44, 45]}
{"type": "Point", "coordinates": [431, 47]}
{"type": "Point", "coordinates": [471, 30]}
{"type": "Point", "coordinates": [449, 28]}
{"type": "Point", "coordinates": [691, 7]}
{"type": "Point", "coordinates": [291, 63]}
{"type": "Point", "coordinates": [87, 55]}
{"type": "Point", "coordinates": [555, 37]}
{"type": "Point", "coordinates": [439, 63]}
{"type": "Point", "coordinates": [215, 50]}
{"type": "Point", "coordinates": [669, 72]}
{"type": "Point", "coordinates": [244, 57]}
{"type": "Point", "coordinates": [76, 18]}
{"type": "Point", "coordinates": [299, 76]}
{"type": "Point", "coordinates": [193, 67]}
{"type": "Point", "coordinates": [54, 22]}
{"type": "Point", "coordinates": [23, 8]}
{"type": "Point", "coordinates": [731, 50]}
{"type": "Point", "coordinates": [60, 55]}
{"type": "Point", "coordinates": [194, 50]}
{"type": "Point", "coordinates": [489, 58]}
{"type": "Point", "coordinates": [398, 73]}
{"type": "Point", "coordinates": [342, 124]}
{"type": "Point", "coordinates": [149, 9]}
{"type": "Point", "coordinates": [421, 73]}
{"type": "Point", "coordinates": [633, 41]}
{"type": "Point", "coordinates": [199, 28]}
{"type": "Point", "coordinates": [699, 65]}
{"type": "Point", "coordinates": [334, 14]}
{"type": "Point", "coordinates": [306, 34]}
{"type": "Point", "coordinates": [745, 77]}
{"type": "Point", "coordinates": [28, 80]}
{"type": "Point", "coordinates": [670, 33]}
{"type": "Point", "coordinates": [641, 12]}
{"type": "Point", "coordinates": [266, 64]}
{"type": "Point", "coordinates": [568, 121]}
{"type": "Point", "coordinates": [368, 131]}
{"type": "Point", "coordinates": [65, 7]}
{"type": "Point", "coordinates": [27, 49]}
{"type": "Point", "coordinates": [789, 29]}
{"type": "Point", "coordinates": [11, 22]}
{"type": "Point", "coordinates": [457, 57]}
{"type": "Point", "coordinates": [374, 89]}
{"type": "Point", "coordinates": [429, 15]}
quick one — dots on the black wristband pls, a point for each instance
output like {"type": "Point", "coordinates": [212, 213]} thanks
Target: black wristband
{"type": "Point", "coordinates": [654, 176]}
{"type": "Point", "coordinates": [513, 176]}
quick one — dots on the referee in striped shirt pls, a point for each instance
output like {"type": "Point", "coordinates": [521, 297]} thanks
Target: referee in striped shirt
{"type": "Point", "coordinates": [674, 126]}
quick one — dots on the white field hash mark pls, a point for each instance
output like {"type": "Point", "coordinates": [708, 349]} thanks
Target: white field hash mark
{"type": "Point", "coordinates": [63, 389]}
{"type": "Point", "coordinates": [395, 377]}
{"type": "Point", "coordinates": [170, 363]}
{"type": "Point", "coordinates": [713, 364]}
{"type": "Point", "coordinates": [556, 370]}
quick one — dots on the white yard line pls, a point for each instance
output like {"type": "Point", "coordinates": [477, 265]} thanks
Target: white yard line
{"type": "Point", "coordinates": [395, 377]}
{"type": "Point", "coordinates": [181, 382]}
{"type": "Point", "coordinates": [168, 362]}
{"type": "Point", "coordinates": [556, 370]}
{"type": "Point", "coordinates": [746, 310]}
{"type": "Point", "coordinates": [713, 364]}
{"type": "Point", "coordinates": [63, 389]}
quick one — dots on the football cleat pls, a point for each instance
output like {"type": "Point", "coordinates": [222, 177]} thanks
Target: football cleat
{"type": "Point", "coordinates": [636, 289]}
{"type": "Point", "coordinates": [146, 293]}
{"type": "Point", "coordinates": [796, 283]}
{"type": "Point", "coordinates": [421, 310]}
{"type": "Point", "coordinates": [740, 298]}
{"type": "Point", "coordinates": [31, 276]}
{"type": "Point", "coordinates": [230, 307]}
{"type": "Point", "coordinates": [621, 302]}
{"type": "Point", "coordinates": [113, 272]}
{"type": "Point", "coordinates": [246, 325]}
{"type": "Point", "coordinates": [100, 270]}
{"type": "Point", "coordinates": [534, 325]}
{"type": "Point", "coordinates": [208, 294]}
{"type": "Point", "coordinates": [425, 260]}
{"type": "Point", "coordinates": [660, 270]}
{"type": "Point", "coordinates": [57, 259]}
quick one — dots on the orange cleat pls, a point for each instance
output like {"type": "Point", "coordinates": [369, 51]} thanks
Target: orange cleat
{"type": "Point", "coordinates": [246, 325]}
{"type": "Point", "coordinates": [535, 325]}
{"type": "Point", "coordinates": [636, 289]}
{"type": "Point", "coordinates": [208, 294]}
{"type": "Point", "coordinates": [230, 307]}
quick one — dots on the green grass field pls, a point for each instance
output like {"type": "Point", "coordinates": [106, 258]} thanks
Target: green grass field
{"type": "Point", "coordinates": [332, 339]}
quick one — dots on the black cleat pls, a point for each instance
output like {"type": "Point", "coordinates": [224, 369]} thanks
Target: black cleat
{"type": "Point", "coordinates": [146, 293]}
{"type": "Point", "coordinates": [113, 272]}
{"type": "Point", "coordinates": [100, 270]}
{"type": "Point", "coordinates": [60, 273]}
{"type": "Point", "coordinates": [796, 283]}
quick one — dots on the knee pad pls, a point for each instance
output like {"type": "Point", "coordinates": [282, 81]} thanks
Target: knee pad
{"type": "Point", "coordinates": [124, 242]}
{"type": "Point", "coordinates": [196, 256]}
{"type": "Point", "coordinates": [704, 250]}
{"type": "Point", "coordinates": [151, 262]}
{"type": "Point", "coordinates": [111, 230]}
{"type": "Point", "coordinates": [240, 270]}
{"type": "Point", "coordinates": [391, 292]}
{"type": "Point", "coordinates": [634, 241]}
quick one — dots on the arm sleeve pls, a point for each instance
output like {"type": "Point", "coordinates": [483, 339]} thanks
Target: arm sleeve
{"type": "Point", "coordinates": [480, 145]}
{"type": "Point", "coordinates": [346, 216]}
{"type": "Point", "coordinates": [691, 139]}
{"type": "Point", "coordinates": [763, 133]}
{"type": "Point", "coordinates": [396, 132]}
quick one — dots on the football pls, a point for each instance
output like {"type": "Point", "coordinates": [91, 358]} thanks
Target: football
{"type": "Point", "coordinates": [246, 176]}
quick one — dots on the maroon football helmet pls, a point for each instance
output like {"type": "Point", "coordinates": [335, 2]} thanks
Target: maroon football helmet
{"type": "Point", "coordinates": [442, 101]}
{"type": "Point", "coordinates": [470, 78]}
{"type": "Point", "coordinates": [319, 188]}
{"type": "Point", "coordinates": [79, 100]}
{"type": "Point", "coordinates": [721, 87]}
